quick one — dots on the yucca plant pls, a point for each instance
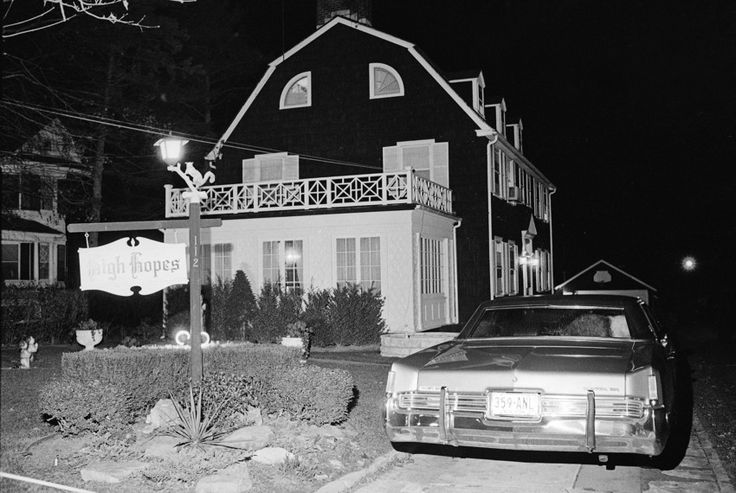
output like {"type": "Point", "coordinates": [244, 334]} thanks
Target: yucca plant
{"type": "Point", "coordinates": [195, 428]}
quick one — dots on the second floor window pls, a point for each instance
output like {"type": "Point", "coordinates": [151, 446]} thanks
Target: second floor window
{"type": "Point", "coordinates": [27, 191]}
{"type": "Point", "coordinates": [297, 93]}
{"type": "Point", "coordinates": [385, 81]}
{"type": "Point", "coordinates": [428, 159]}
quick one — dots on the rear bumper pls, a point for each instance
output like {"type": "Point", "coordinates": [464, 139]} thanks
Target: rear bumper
{"type": "Point", "coordinates": [646, 435]}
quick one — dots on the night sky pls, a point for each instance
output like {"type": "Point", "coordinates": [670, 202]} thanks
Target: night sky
{"type": "Point", "coordinates": [628, 107]}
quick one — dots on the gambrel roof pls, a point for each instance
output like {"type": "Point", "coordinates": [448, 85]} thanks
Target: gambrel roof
{"type": "Point", "coordinates": [482, 127]}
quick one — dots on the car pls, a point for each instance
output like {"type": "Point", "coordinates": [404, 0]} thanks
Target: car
{"type": "Point", "coordinates": [557, 373]}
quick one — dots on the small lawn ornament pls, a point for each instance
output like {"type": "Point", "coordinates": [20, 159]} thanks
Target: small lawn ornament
{"type": "Point", "coordinates": [28, 346]}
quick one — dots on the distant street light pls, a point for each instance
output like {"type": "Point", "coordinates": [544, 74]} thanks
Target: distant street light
{"type": "Point", "coordinates": [171, 152]}
{"type": "Point", "coordinates": [688, 263]}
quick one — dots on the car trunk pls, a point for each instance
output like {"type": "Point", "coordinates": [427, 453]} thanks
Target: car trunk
{"type": "Point", "coordinates": [531, 364]}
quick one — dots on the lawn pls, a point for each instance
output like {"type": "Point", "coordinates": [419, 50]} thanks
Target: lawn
{"type": "Point", "coordinates": [21, 428]}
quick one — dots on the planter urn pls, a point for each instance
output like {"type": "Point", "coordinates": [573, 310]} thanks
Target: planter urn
{"type": "Point", "coordinates": [89, 338]}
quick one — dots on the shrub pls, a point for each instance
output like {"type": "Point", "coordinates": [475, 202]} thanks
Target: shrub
{"type": "Point", "coordinates": [45, 313]}
{"type": "Point", "coordinates": [275, 309]}
{"type": "Point", "coordinates": [76, 406]}
{"type": "Point", "coordinates": [309, 393]}
{"type": "Point", "coordinates": [355, 316]}
{"type": "Point", "coordinates": [316, 316]}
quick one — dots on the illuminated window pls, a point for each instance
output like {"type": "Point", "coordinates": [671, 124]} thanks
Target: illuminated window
{"type": "Point", "coordinates": [385, 82]}
{"type": "Point", "coordinates": [297, 92]}
{"type": "Point", "coordinates": [499, 248]}
{"type": "Point", "coordinates": [283, 264]}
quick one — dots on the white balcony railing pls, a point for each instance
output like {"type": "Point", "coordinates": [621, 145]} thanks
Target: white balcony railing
{"type": "Point", "coordinates": [316, 193]}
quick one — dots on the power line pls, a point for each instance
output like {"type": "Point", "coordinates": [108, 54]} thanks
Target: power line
{"type": "Point", "coordinates": [101, 120]}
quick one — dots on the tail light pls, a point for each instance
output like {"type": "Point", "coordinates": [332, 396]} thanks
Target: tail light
{"type": "Point", "coordinates": [654, 385]}
{"type": "Point", "coordinates": [390, 382]}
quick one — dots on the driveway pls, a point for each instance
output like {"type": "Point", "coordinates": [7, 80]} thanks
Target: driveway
{"type": "Point", "coordinates": [700, 471]}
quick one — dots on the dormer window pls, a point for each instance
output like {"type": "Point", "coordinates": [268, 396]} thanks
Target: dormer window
{"type": "Point", "coordinates": [297, 92]}
{"type": "Point", "coordinates": [385, 82]}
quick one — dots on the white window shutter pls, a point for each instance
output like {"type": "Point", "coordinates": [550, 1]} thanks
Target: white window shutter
{"type": "Point", "coordinates": [441, 163]}
{"type": "Point", "coordinates": [391, 159]}
{"type": "Point", "coordinates": [251, 172]}
{"type": "Point", "coordinates": [291, 168]}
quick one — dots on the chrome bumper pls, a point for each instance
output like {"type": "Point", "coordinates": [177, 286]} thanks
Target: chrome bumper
{"type": "Point", "coordinates": [589, 433]}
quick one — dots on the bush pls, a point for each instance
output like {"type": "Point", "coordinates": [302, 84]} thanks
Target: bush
{"type": "Point", "coordinates": [45, 313]}
{"type": "Point", "coordinates": [151, 373]}
{"type": "Point", "coordinates": [275, 309]}
{"type": "Point", "coordinates": [355, 316]}
{"type": "Point", "coordinates": [309, 393]}
{"type": "Point", "coordinates": [76, 406]}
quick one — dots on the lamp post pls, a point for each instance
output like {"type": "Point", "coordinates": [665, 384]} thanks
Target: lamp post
{"type": "Point", "coordinates": [171, 151]}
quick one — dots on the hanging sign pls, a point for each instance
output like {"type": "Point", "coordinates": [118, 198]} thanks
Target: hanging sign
{"type": "Point", "coordinates": [122, 265]}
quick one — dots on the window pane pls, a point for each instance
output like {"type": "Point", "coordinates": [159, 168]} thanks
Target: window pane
{"type": "Point", "coordinates": [61, 263]}
{"type": "Point", "coordinates": [431, 259]}
{"type": "Point", "coordinates": [345, 261]}
{"type": "Point", "coordinates": [293, 265]}
{"type": "Point", "coordinates": [31, 192]}
{"type": "Point", "coordinates": [43, 261]}
{"type": "Point", "coordinates": [10, 262]}
{"type": "Point", "coordinates": [297, 94]}
{"type": "Point", "coordinates": [370, 263]}
{"type": "Point", "coordinates": [384, 82]}
{"type": "Point", "coordinates": [271, 262]}
{"type": "Point", "coordinates": [26, 261]}
{"type": "Point", "coordinates": [223, 261]}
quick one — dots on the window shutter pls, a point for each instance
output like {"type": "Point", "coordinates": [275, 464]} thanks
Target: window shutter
{"type": "Point", "coordinates": [291, 168]}
{"type": "Point", "coordinates": [391, 159]}
{"type": "Point", "coordinates": [251, 173]}
{"type": "Point", "coordinates": [440, 163]}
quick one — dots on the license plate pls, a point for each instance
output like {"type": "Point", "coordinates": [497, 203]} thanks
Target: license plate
{"type": "Point", "coordinates": [513, 405]}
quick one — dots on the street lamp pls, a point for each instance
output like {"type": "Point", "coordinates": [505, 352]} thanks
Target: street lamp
{"type": "Point", "coordinates": [171, 152]}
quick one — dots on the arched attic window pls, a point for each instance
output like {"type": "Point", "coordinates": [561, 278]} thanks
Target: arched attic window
{"type": "Point", "coordinates": [297, 92]}
{"type": "Point", "coordinates": [385, 82]}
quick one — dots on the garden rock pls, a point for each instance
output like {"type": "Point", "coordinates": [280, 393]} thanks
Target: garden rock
{"type": "Point", "coordinates": [162, 414]}
{"type": "Point", "coordinates": [111, 472]}
{"type": "Point", "coordinates": [272, 456]}
{"type": "Point", "coordinates": [161, 446]}
{"type": "Point", "coordinates": [233, 479]}
{"type": "Point", "coordinates": [249, 438]}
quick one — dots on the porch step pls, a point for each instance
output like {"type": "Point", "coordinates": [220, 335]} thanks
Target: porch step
{"type": "Point", "coordinates": [398, 345]}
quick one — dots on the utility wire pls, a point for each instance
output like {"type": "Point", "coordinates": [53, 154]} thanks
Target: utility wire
{"type": "Point", "coordinates": [160, 131]}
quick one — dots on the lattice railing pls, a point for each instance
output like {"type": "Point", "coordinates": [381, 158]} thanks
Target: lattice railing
{"type": "Point", "coordinates": [315, 193]}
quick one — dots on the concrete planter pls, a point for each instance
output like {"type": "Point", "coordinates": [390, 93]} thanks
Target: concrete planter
{"type": "Point", "coordinates": [89, 338]}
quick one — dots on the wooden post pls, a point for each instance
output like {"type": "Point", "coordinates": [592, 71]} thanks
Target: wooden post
{"type": "Point", "coordinates": [195, 294]}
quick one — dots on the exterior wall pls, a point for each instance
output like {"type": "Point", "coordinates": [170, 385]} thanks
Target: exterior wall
{"type": "Point", "coordinates": [396, 229]}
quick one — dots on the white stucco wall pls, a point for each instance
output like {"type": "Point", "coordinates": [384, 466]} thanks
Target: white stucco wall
{"type": "Point", "coordinates": [397, 230]}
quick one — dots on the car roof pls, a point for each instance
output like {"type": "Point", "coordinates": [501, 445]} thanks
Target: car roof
{"type": "Point", "coordinates": [599, 300]}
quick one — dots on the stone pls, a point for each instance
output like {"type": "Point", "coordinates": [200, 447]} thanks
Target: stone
{"type": "Point", "coordinates": [162, 414]}
{"type": "Point", "coordinates": [272, 456]}
{"type": "Point", "coordinates": [250, 437]}
{"type": "Point", "coordinates": [161, 446]}
{"type": "Point", "coordinates": [254, 416]}
{"type": "Point", "coordinates": [233, 479]}
{"type": "Point", "coordinates": [111, 472]}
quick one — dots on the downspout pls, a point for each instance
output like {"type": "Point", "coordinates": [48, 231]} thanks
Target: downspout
{"type": "Point", "coordinates": [551, 244]}
{"type": "Point", "coordinates": [489, 196]}
{"type": "Point", "coordinates": [456, 307]}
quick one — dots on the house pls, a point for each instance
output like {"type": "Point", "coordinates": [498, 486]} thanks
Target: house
{"type": "Point", "coordinates": [602, 277]}
{"type": "Point", "coordinates": [356, 160]}
{"type": "Point", "coordinates": [33, 229]}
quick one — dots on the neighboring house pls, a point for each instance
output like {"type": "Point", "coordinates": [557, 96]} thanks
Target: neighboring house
{"type": "Point", "coordinates": [602, 277]}
{"type": "Point", "coordinates": [355, 160]}
{"type": "Point", "coordinates": [33, 230]}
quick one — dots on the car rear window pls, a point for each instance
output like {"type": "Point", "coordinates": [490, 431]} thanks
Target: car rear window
{"type": "Point", "coordinates": [546, 321]}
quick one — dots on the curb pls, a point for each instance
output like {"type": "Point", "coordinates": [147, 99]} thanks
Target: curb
{"type": "Point", "coordinates": [722, 478]}
{"type": "Point", "coordinates": [349, 480]}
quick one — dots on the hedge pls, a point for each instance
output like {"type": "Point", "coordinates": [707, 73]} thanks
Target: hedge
{"type": "Point", "coordinates": [272, 375]}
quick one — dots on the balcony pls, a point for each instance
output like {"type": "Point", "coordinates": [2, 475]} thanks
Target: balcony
{"type": "Point", "coordinates": [316, 193]}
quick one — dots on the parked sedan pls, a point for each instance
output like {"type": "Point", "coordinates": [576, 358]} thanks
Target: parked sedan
{"type": "Point", "coordinates": [592, 373]}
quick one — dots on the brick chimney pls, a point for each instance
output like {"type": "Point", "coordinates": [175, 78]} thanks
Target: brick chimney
{"type": "Point", "coordinates": [357, 10]}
